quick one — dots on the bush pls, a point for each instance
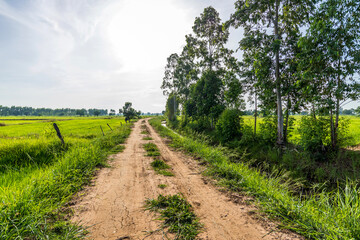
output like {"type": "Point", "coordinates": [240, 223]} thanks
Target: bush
{"type": "Point", "coordinates": [228, 127]}
{"type": "Point", "coordinates": [268, 129]}
{"type": "Point", "coordinates": [315, 135]}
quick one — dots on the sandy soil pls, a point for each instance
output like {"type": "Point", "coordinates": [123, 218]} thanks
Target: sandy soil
{"type": "Point", "coordinates": [113, 208]}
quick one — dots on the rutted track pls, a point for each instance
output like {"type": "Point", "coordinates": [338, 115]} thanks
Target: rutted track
{"type": "Point", "coordinates": [114, 207]}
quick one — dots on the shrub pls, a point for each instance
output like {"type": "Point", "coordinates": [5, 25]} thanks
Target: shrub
{"type": "Point", "coordinates": [268, 129]}
{"type": "Point", "coordinates": [228, 127]}
{"type": "Point", "coordinates": [315, 135]}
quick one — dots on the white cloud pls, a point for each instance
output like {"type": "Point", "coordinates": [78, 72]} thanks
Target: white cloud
{"type": "Point", "coordinates": [91, 53]}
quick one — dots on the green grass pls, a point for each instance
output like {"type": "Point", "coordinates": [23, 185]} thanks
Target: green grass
{"type": "Point", "coordinates": [319, 215]}
{"type": "Point", "coordinates": [147, 138]}
{"type": "Point", "coordinates": [72, 128]}
{"type": "Point", "coordinates": [150, 147]}
{"type": "Point", "coordinates": [354, 129]}
{"type": "Point", "coordinates": [165, 173]}
{"type": "Point", "coordinates": [39, 175]}
{"type": "Point", "coordinates": [177, 215]}
{"type": "Point", "coordinates": [162, 186]}
{"type": "Point", "coordinates": [160, 167]}
{"type": "Point", "coordinates": [158, 164]}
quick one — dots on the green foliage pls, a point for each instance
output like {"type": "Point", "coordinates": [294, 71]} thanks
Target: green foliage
{"type": "Point", "coordinates": [150, 147]}
{"type": "Point", "coordinates": [177, 215]}
{"type": "Point", "coordinates": [329, 58]}
{"type": "Point", "coordinates": [29, 111]}
{"type": "Point", "coordinates": [158, 164]}
{"type": "Point", "coordinates": [129, 112]}
{"type": "Point", "coordinates": [206, 97]}
{"type": "Point", "coordinates": [357, 111]}
{"type": "Point", "coordinates": [172, 105]}
{"type": "Point", "coordinates": [268, 129]}
{"type": "Point", "coordinates": [315, 135]}
{"type": "Point", "coordinates": [229, 126]}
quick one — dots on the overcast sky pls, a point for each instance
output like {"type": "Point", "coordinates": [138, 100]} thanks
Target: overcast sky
{"type": "Point", "coordinates": [94, 53]}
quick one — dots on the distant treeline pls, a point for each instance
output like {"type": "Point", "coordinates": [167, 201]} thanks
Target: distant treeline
{"type": "Point", "coordinates": [29, 111]}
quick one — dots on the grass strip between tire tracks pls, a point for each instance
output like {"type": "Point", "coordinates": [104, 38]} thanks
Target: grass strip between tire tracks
{"type": "Point", "coordinates": [158, 164]}
{"type": "Point", "coordinates": [177, 215]}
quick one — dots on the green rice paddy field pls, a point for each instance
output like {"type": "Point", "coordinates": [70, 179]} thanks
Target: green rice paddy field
{"type": "Point", "coordinates": [39, 175]}
{"type": "Point", "coordinates": [354, 127]}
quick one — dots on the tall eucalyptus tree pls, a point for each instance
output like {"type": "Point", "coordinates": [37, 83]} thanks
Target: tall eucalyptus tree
{"type": "Point", "coordinates": [331, 57]}
{"type": "Point", "coordinates": [269, 19]}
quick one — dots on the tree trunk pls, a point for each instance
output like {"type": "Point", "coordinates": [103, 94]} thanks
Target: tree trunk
{"type": "Point", "coordinates": [174, 107]}
{"type": "Point", "coordinates": [313, 111]}
{"type": "Point", "coordinates": [287, 120]}
{"type": "Point", "coordinates": [255, 115]}
{"type": "Point", "coordinates": [337, 108]}
{"type": "Point", "coordinates": [332, 129]}
{"type": "Point", "coordinates": [280, 118]}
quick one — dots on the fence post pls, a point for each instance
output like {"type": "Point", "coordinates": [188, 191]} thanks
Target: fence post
{"type": "Point", "coordinates": [109, 126]}
{"type": "Point", "coordinates": [102, 131]}
{"type": "Point", "coordinates": [58, 133]}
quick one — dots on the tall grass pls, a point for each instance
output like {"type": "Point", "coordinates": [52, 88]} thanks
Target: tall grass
{"type": "Point", "coordinates": [40, 178]}
{"type": "Point", "coordinates": [321, 215]}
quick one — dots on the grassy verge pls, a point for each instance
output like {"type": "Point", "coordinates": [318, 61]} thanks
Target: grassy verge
{"type": "Point", "coordinates": [321, 215]}
{"type": "Point", "coordinates": [158, 164]}
{"type": "Point", "coordinates": [32, 204]}
{"type": "Point", "coordinates": [177, 215]}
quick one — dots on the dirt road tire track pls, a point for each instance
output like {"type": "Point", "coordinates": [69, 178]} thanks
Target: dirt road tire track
{"type": "Point", "coordinates": [114, 207]}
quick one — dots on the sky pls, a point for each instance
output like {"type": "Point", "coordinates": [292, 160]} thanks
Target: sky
{"type": "Point", "coordinates": [93, 53]}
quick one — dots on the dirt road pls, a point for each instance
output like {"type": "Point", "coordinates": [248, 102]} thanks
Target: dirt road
{"type": "Point", "coordinates": [114, 207]}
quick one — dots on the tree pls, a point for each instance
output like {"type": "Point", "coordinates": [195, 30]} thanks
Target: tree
{"type": "Point", "coordinates": [112, 112]}
{"type": "Point", "coordinates": [357, 111]}
{"type": "Point", "coordinates": [170, 79]}
{"type": "Point", "coordinates": [268, 19]}
{"type": "Point", "coordinates": [172, 107]}
{"type": "Point", "coordinates": [218, 86]}
{"type": "Point", "coordinates": [207, 99]}
{"type": "Point", "coordinates": [129, 112]}
{"type": "Point", "coordinates": [348, 112]}
{"type": "Point", "coordinates": [331, 58]}
{"type": "Point", "coordinates": [180, 73]}
{"type": "Point", "coordinates": [81, 112]}
{"type": "Point", "coordinates": [96, 112]}
{"type": "Point", "coordinates": [209, 41]}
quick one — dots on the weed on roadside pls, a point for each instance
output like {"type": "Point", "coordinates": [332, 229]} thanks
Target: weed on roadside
{"type": "Point", "coordinates": [162, 186]}
{"type": "Point", "coordinates": [158, 164]}
{"type": "Point", "coordinates": [150, 147]}
{"type": "Point", "coordinates": [117, 149]}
